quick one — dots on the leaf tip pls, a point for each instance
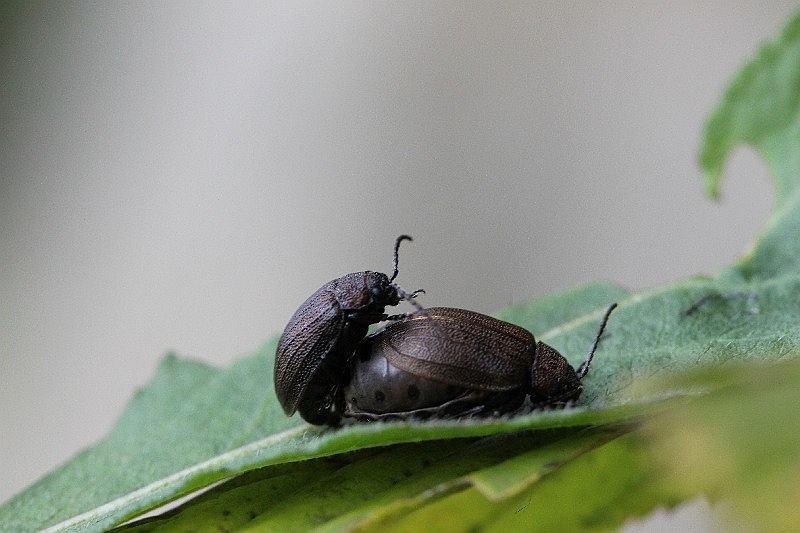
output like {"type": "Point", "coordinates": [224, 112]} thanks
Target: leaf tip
{"type": "Point", "coordinates": [711, 163]}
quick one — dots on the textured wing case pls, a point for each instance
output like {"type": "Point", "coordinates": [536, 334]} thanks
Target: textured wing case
{"type": "Point", "coordinates": [311, 333]}
{"type": "Point", "coordinates": [462, 348]}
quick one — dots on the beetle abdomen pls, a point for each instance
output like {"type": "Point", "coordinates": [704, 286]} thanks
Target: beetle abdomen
{"type": "Point", "coordinates": [378, 387]}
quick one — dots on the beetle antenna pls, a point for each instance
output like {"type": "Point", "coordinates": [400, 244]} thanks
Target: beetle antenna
{"type": "Point", "coordinates": [584, 368]}
{"type": "Point", "coordinates": [410, 298]}
{"type": "Point", "coordinates": [400, 239]}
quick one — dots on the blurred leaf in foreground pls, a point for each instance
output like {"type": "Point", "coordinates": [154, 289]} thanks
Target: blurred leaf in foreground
{"type": "Point", "coordinates": [740, 442]}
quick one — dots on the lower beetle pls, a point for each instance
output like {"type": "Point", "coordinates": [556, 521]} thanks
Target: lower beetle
{"type": "Point", "coordinates": [453, 362]}
{"type": "Point", "coordinates": [313, 354]}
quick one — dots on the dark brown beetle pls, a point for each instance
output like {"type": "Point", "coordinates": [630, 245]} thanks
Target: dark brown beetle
{"type": "Point", "coordinates": [312, 358]}
{"type": "Point", "coordinates": [452, 362]}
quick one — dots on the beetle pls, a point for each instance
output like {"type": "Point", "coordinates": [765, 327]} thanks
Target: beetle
{"type": "Point", "coordinates": [313, 353]}
{"type": "Point", "coordinates": [452, 362]}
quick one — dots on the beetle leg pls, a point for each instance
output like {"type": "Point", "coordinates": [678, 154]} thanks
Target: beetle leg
{"type": "Point", "coordinates": [400, 316]}
{"type": "Point", "coordinates": [470, 403]}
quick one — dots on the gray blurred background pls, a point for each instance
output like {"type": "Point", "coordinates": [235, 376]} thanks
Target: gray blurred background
{"type": "Point", "coordinates": [181, 176]}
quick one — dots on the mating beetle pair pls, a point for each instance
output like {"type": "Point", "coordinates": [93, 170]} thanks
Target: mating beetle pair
{"type": "Point", "coordinates": [438, 362]}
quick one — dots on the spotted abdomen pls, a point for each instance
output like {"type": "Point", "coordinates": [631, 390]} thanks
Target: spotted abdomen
{"type": "Point", "coordinates": [378, 387]}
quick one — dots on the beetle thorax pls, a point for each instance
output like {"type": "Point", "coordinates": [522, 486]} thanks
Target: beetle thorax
{"type": "Point", "coordinates": [553, 380]}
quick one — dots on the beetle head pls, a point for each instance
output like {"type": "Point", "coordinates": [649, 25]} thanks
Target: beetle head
{"type": "Point", "coordinates": [382, 290]}
{"type": "Point", "coordinates": [553, 380]}
{"type": "Point", "coordinates": [387, 286]}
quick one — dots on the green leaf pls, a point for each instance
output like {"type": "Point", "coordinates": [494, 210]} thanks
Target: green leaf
{"type": "Point", "coordinates": [369, 487]}
{"type": "Point", "coordinates": [739, 442]}
{"type": "Point", "coordinates": [590, 492]}
{"type": "Point", "coordinates": [585, 467]}
{"type": "Point", "coordinates": [761, 107]}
